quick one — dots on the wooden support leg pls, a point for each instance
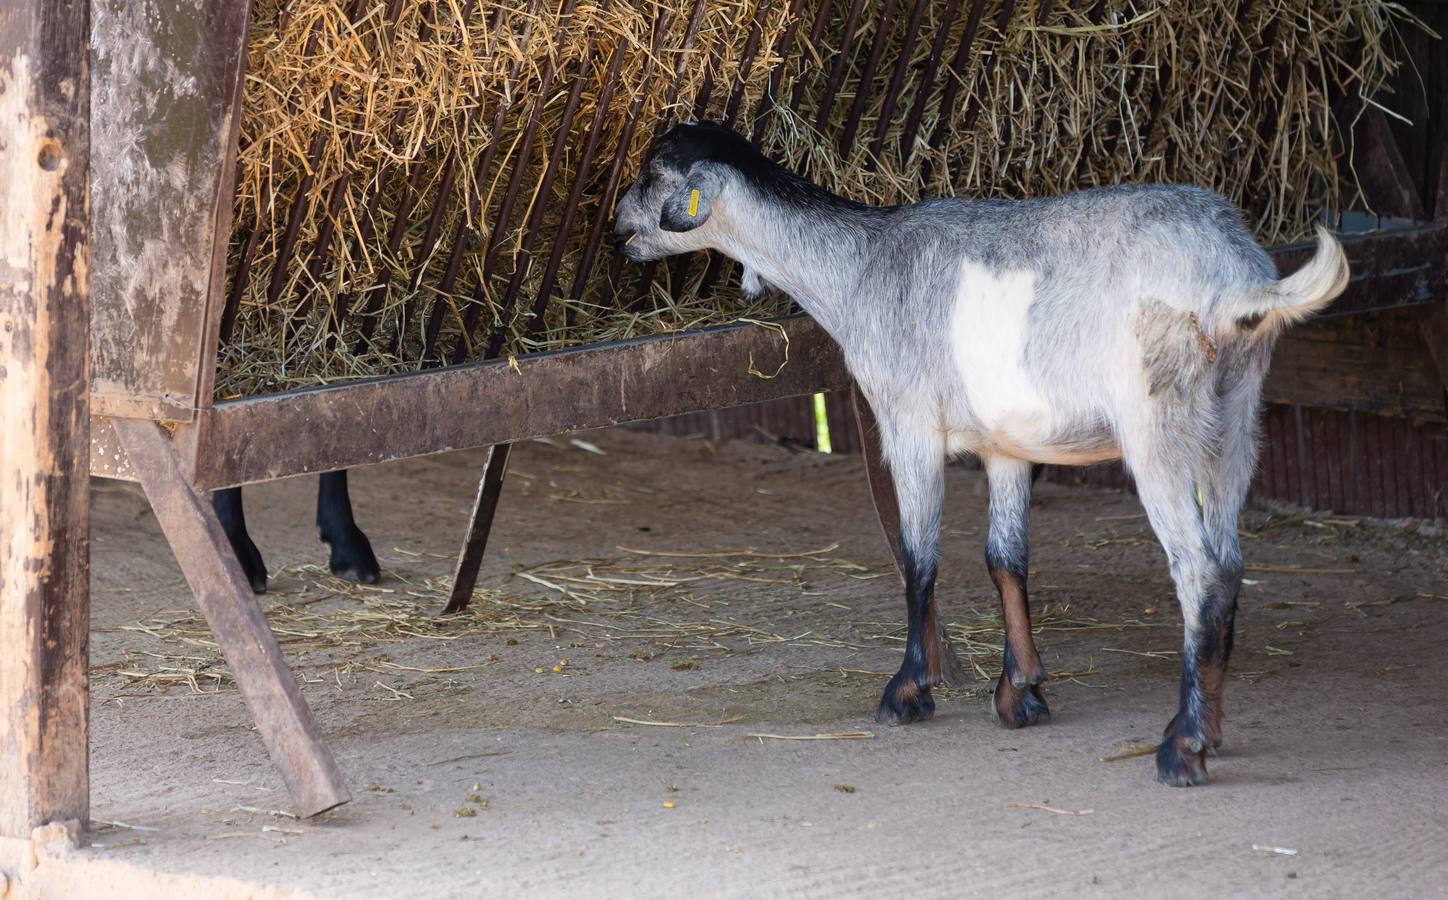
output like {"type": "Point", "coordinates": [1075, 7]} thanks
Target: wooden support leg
{"type": "Point", "coordinates": [887, 509]}
{"type": "Point", "coordinates": [475, 541]}
{"type": "Point", "coordinates": [45, 411]}
{"type": "Point", "coordinates": [877, 473]}
{"type": "Point", "coordinates": [224, 595]}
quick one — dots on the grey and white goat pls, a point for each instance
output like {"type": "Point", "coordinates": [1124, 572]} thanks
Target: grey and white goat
{"type": "Point", "coordinates": [1131, 323]}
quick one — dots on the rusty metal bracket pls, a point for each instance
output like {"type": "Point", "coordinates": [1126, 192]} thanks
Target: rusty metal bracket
{"type": "Point", "coordinates": [251, 650]}
{"type": "Point", "coordinates": [475, 541]}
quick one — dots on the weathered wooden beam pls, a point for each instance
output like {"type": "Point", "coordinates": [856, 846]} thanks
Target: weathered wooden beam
{"type": "Point", "coordinates": [224, 595]}
{"type": "Point", "coordinates": [168, 82]}
{"type": "Point", "coordinates": [1383, 173]}
{"type": "Point", "coordinates": [478, 405]}
{"type": "Point", "coordinates": [1373, 363]}
{"type": "Point", "coordinates": [480, 523]}
{"type": "Point", "coordinates": [1405, 267]}
{"type": "Point", "coordinates": [44, 405]}
{"type": "Point", "coordinates": [496, 402]}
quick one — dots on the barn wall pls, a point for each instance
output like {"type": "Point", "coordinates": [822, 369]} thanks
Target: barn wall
{"type": "Point", "coordinates": [1346, 462]}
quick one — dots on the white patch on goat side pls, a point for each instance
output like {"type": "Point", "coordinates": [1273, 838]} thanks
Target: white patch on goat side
{"type": "Point", "coordinates": [988, 340]}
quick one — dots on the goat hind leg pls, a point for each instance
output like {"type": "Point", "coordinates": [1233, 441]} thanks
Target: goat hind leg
{"type": "Point", "coordinates": [1018, 701]}
{"type": "Point", "coordinates": [226, 503]}
{"type": "Point", "coordinates": [351, 555]}
{"type": "Point", "coordinates": [1167, 484]}
{"type": "Point", "coordinates": [1229, 473]}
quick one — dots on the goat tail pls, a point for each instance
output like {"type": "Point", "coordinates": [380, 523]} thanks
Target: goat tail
{"type": "Point", "coordinates": [1300, 295]}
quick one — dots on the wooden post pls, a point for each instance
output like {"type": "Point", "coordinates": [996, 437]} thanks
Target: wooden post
{"type": "Point", "coordinates": [44, 412]}
{"type": "Point", "coordinates": [475, 540]}
{"type": "Point", "coordinates": [224, 595]}
{"type": "Point", "coordinates": [877, 473]}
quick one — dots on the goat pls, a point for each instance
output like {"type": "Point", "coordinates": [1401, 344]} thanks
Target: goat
{"type": "Point", "coordinates": [1130, 322]}
{"type": "Point", "coordinates": [351, 554]}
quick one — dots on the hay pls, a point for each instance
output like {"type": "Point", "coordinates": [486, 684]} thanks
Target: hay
{"type": "Point", "coordinates": [674, 602]}
{"type": "Point", "coordinates": [368, 146]}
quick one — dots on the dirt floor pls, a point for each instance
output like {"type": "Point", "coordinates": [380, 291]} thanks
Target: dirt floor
{"type": "Point", "coordinates": [744, 590]}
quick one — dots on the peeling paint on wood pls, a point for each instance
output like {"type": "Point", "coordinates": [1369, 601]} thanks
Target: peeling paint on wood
{"type": "Point", "coordinates": [167, 92]}
{"type": "Point", "coordinates": [44, 556]}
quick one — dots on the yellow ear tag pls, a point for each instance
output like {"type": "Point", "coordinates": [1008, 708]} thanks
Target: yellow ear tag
{"type": "Point", "coordinates": [693, 201]}
{"type": "Point", "coordinates": [1200, 500]}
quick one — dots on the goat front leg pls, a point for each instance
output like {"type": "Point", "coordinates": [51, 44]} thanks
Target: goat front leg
{"type": "Point", "coordinates": [226, 503]}
{"type": "Point", "coordinates": [1207, 592]}
{"type": "Point", "coordinates": [351, 554]}
{"type": "Point", "coordinates": [917, 464]}
{"type": "Point", "coordinates": [1018, 701]}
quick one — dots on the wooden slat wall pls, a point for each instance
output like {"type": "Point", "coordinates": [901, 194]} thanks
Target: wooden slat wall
{"type": "Point", "coordinates": [1334, 461]}
{"type": "Point", "coordinates": [1347, 462]}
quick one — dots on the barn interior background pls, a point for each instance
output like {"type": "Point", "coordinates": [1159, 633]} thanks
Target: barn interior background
{"type": "Point", "coordinates": [328, 233]}
{"type": "Point", "coordinates": [426, 184]}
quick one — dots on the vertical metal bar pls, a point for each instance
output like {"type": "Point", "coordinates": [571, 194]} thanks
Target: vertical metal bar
{"type": "Point", "coordinates": [817, 28]}
{"type": "Point", "coordinates": [224, 595]}
{"type": "Point", "coordinates": [324, 240]}
{"type": "Point", "coordinates": [371, 313]}
{"type": "Point", "coordinates": [1003, 22]}
{"type": "Point", "coordinates": [45, 400]}
{"type": "Point", "coordinates": [746, 61]}
{"type": "Point", "coordinates": [897, 79]}
{"type": "Point", "coordinates": [510, 199]}
{"type": "Point", "coordinates": [842, 57]}
{"type": "Point", "coordinates": [771, 93]}
{"type": "Point", "coordinates": [505, 215]}
{"type": "Point", "coordinates": [534, 222]}
{"type": "Point", "coordinates": [617, 262]}
{"type": "Point", "coordinates": [239, 280]}
{"type": "Point", "coordinates": [932, 67]}
{"type": "Point", "coordinates": [463, 232]}
{"type": "Point", "coordinates": [987, 65]}
{"type": "Point", "coordinates": [884, 25]}
{"type": "Point", "coordinates": [480, 524]}
{"type": "Point", "coordinates": [342, 302]}
{"type": "Point", "coordinates": [575, 193]}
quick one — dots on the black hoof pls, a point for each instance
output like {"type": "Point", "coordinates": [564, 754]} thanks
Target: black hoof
{"type": "Point", "coordinates": [251, 564]}
{"type": "Point", "coordinates": [905, 702]}
{"type": "Point", "coordinates": [1016, 707]}
{"type": "Point", "coordinates": [352, 557]}
{"type": "Point", "coordinates": [1178, 764]}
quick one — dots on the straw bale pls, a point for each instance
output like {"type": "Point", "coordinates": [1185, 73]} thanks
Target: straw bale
{"type": "Point", "coordinates": [369, 126]}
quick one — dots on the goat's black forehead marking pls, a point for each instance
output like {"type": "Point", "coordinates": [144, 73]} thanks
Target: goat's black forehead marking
{"type": "Point", "coordinates": [688, 143]}
{"type": "Point", "coordinates": [691, 142]}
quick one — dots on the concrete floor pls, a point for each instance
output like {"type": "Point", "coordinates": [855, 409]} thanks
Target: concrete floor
{"type": "Point", "coordinates": [476, 775]}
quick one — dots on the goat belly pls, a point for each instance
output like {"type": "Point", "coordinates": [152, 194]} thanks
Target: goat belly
{"type": "Point", "coordinates": [1007, 413]}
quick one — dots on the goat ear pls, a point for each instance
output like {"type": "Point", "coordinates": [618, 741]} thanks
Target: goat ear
{"type": "Point", "coordinates": [688, 207]}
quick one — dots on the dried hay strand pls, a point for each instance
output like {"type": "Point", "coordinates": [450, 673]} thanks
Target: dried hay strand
{"type": "Point", "coordinates": [673, 602]}
{"type": "Point", "coordinates": [422, 184]}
